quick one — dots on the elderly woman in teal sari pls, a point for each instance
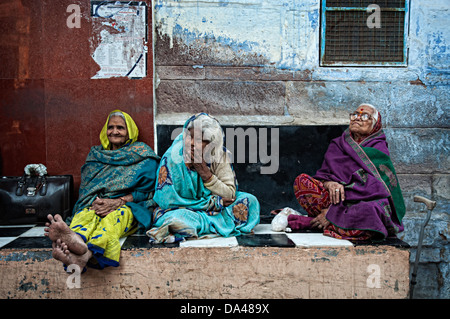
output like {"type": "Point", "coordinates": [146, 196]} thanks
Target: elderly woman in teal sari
{"type": "Point", "coordinates": [196, 191]}
{"type": "Point", "coordinates": [115, 198]}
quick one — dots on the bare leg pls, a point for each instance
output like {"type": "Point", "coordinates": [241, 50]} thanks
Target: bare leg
{"type": "Point", "coordinates": [58, 229]}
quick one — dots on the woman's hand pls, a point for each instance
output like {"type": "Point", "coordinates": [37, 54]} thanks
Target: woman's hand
{"type": "Point", "coordinates": [335, 190]}
{"type": "Point", "coordinates": [228, 201]}
{"type": "Point", "coordinates": [104, 206]}
{"type": "Point", "coordinates": [199, 165]}
{"type": "Point", "coordinates": [320, 221]}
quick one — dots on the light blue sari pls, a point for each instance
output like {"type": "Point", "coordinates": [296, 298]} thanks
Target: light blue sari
{"type": "Point", "coordinates": [188, 209]}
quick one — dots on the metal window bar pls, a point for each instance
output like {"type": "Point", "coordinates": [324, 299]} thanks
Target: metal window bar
{"type": "Point", "coordinates": [346, 40]}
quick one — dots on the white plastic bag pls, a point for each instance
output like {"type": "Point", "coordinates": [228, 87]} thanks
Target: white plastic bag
{"type": "Point", "coordinates": [280, 221]}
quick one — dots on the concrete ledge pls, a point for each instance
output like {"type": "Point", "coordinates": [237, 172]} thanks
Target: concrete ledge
{"type": "Point", "coordinates": [236, 272]}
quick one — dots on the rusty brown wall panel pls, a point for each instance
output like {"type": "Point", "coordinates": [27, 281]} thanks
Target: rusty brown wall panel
{"type": "Point", "coordinates": [50, 109]}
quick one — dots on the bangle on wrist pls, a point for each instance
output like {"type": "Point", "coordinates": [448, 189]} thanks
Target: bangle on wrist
{"type": "Point", "coordinates": [209, 179]}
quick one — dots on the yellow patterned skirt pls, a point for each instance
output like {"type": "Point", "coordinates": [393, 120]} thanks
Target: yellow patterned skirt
{"type": "Point", "coordinates": [102, 234]}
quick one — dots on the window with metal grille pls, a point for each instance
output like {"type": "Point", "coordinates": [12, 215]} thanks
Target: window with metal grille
{"type": "Point", "coordinates": [348, 38]}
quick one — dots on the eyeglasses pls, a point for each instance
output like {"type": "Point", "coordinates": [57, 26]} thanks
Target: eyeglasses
{"type": "Point", "coordinates": [362, 116]}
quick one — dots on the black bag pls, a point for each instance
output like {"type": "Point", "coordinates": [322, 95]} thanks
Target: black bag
{"type": "Point", "coordinates": [29, 199]}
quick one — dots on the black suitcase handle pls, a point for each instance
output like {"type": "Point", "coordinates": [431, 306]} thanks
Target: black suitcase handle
{"type": "Point", "coordinates": [40, 185]}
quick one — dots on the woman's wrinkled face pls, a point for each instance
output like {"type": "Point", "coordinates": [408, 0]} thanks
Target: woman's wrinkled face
{"type": "Point", "coordinates": [360, 127]}
{"type": "Point", "coordinates": [194, 143]}
{"type": "Point", "coordinates": [117, 132]}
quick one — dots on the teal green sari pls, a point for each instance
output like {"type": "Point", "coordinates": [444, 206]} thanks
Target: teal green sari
{"type": "Point", "coordinates": [112, 174]}
{"type": "Point", "coordinates": [187, 209]}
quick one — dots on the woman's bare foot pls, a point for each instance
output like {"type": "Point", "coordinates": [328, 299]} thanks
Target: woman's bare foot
{"type": "Point", "coordinates": [64, 255]}
{"type": "Point", "coordinates": [58, 229]}
{"type": "Point", "coordinates": [60, 253]}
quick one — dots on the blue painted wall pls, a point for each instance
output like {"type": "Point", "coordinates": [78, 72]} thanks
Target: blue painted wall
{"type": "Point", "coordinates": [257, 62]}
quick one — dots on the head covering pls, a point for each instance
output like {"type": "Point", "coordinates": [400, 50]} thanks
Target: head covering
{"type": "Point", "coordinates": [376, 115]}
{"type": "Point", "coordinates": [133, 131]}
{"type": "Point", "coordinates": [211, 132]}
{"type": "Point", "coordinates": [376, 126]}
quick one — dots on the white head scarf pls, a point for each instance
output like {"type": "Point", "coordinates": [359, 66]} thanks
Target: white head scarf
{"type": "Point", "coordinates": [211, 132]}
{"type": "Point", "coordinates": [375, 112]}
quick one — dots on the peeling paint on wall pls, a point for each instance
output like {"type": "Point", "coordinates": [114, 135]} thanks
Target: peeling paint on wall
{"type": "Point", "coordinates": [121, 47]}
{"type": "Point", "coordinates": [280, 33]}
{"type": "Point", "coordinates": [211, 55]}
{"type": "Point", "coordinates": [29, 256]}
{"type": "Point", "coordinates": [239, 272]}
{"type": "Point", "coordinates": [285, 35]}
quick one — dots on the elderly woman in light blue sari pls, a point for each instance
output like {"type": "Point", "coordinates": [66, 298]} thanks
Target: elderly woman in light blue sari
{"type": "Point", "coordinates": [197, 189]}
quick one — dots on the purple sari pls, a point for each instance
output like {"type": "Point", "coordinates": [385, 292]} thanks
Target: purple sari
{"type": "Point", "coordinates": [373, 199]}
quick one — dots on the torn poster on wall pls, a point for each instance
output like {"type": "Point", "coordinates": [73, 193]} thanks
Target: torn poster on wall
{"type": "Point", "coordinates": [121, 48]}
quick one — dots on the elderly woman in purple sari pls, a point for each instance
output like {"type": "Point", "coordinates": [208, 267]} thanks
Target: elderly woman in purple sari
{"type": "Point", "coordinates": [355, 195]}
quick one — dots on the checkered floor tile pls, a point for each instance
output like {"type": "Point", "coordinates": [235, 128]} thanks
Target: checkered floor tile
{"type": "Point", "coordinates": [32, 236]}
{"type": "Point", "coordinates": [23, 236]}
